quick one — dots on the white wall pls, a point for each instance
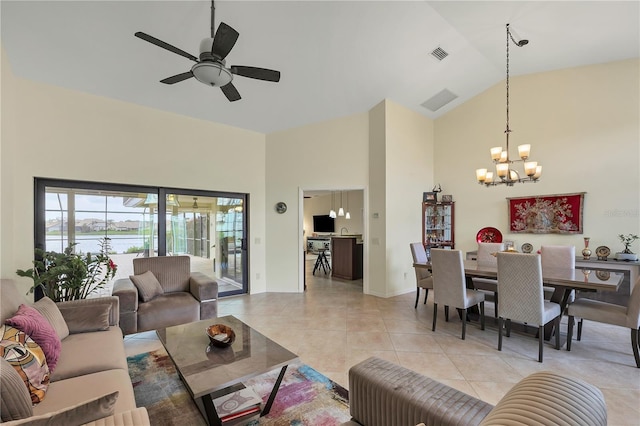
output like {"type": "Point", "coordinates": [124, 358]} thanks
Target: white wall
{"type": "Point", "coordinates": [70, 135]}
{"type": "Point", "coordinates": [583, 125]}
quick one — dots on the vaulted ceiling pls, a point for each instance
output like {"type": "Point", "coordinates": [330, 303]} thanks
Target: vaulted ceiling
{"type": "Point", "coordinates": [336, 57]}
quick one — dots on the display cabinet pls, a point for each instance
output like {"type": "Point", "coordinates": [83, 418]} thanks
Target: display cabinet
{"type": "Point", "coordinates": [438, 225]}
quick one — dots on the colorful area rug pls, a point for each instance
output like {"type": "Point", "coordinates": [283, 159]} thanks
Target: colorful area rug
{"type": "Point", "coordinates": [306, 397]}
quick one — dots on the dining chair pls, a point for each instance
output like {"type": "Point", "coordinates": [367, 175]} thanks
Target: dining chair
{"type": "Point", "coordinates": [521, 296]}
{"type": "Point", "coordinates": [558, 257]}
{"type": "Point", "coordinates": [450, 289]}
{"type": "Point", "coordinates": [608, 313]}
{"type": "Point", "coordinates": [423, 275]}
{"type": "Point", "coordinates": [486, 256]}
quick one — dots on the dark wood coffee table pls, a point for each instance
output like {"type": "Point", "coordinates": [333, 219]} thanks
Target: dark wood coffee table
{"type": "Point", "coordinates": [209, 372]}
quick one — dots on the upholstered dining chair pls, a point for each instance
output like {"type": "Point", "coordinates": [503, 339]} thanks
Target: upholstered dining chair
{"type": "Point", "coordinates": [486, 256]}
{"type": "Point", "coordinates": [521, 296]}
{"type": "Point", "coordinates": [558, 257]}
{"type": "Point", "coordinates": [449, 287]}
{"type": "Point", "coordinates": [608, 313]}
{"type": "Point", "coordinates": [423, 276]}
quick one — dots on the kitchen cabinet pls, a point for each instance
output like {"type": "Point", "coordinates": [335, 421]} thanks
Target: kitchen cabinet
{"type": "Point", "coordinates": [346, 258]}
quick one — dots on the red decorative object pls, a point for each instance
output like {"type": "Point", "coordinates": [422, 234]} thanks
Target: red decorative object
{"type": "Point", "coordinates": [489, 235]}
{"type": "Point", "coordinates": [546, 214]}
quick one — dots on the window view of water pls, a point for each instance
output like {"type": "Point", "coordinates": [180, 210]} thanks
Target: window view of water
{"type": "Point", "coordinates": [91, 243]}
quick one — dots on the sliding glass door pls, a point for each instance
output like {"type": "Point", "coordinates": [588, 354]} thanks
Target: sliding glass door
{"type": "Point", "coordinates": [208, 226]}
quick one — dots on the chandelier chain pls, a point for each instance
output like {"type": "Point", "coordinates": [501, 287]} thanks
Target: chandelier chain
{"type": "Point", "coordinates": [507, 83]}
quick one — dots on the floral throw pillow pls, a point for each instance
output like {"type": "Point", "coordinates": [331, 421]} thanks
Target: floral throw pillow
{"type": "Point", "coordinates": [36, 326]}
{"type": "Point", "coordinates": [28, 359]}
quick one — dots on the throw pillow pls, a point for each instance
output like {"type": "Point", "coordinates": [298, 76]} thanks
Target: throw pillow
{"type": "Point", "coordinates": [28, 359]}
{"type": "Point", "coordinates": [86, 318]}
{"type": "Point", "coordinates": [50, 311]}
{"type": "Point", "coordinates": [32, 323]}
{"type": "Point", "coordinates": [148, 285]}
{"type": "Point", "coordinates": [14, 396]}
{"type": "Point", "coordinates": [78, 414]}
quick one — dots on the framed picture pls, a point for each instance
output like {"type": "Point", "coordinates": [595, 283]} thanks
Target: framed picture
{"type": "Point", "coordinates": [447, 198]}
{"type": "Point", "coordinates": [430, 197]}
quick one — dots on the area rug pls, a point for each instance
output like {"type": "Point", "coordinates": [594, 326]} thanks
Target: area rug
{"type": "Point", "coordinates": [306, 397]}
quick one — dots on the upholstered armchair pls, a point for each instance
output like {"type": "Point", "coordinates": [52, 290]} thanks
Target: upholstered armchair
{"type": "Point", "coordinates": [164, 292]}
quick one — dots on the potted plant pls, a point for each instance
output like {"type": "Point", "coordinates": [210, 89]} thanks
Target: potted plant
{"type": "Point", "coordinates": [68, 275]}
{"type": "Point", "coordinates": [627, 254]}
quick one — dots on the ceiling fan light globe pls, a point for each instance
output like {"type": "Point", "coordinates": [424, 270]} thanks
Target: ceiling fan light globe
{"type": "Point", "coordinates": [212, 74]}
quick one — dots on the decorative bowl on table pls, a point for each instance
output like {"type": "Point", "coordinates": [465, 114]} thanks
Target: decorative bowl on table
{"type": "Point", "coordinates": [221, 335]}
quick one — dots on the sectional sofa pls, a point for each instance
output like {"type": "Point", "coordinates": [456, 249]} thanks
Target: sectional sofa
{"type": "Point", "coordinates": [382, 393]}
{"type": "Point", "coordinates": [90, 383]}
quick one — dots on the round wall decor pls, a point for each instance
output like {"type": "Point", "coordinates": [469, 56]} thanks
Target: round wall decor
{"type": "Point", "coordinates": [281, 207]}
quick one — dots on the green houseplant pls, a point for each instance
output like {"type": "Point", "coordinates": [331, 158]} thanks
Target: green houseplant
{"type": "Point", "coordinates": [68, 275]}
{"type": "Point", "coordinates": [627, 240]}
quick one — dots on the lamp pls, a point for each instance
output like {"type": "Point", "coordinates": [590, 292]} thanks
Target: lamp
{"type": "Point", "coordinates": [347, 215]}
{"type": "Point", "coordinates": [332, 212]}
{"type": "Point", "coordinates": [500, 157]}
{"type": "Point", "coordinates": [195, 203]}
{"type": "Point", "coordinates": [340, 210]}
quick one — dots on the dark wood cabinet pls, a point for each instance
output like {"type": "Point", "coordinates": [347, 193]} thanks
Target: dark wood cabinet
{"type": "Point", "coordinates": [346, 258]}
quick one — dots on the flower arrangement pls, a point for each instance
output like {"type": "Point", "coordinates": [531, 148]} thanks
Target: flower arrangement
{"type": "Point", "coordinates": [627, 240]}
{"type": "Point", "coordinates": [68, 275]}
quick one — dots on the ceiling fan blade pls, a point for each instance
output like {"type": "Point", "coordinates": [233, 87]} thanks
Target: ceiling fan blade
{"type": "Point", "coordinates": [257, 73]}
{"type": "Point", "coordinates": [224, 40]}
{"type": "Point", "coordinates": [177, 78]}
{"type": "Point", "coordinates": [160, 43]}
{"type": "Point", "coordinates": [231, 92]}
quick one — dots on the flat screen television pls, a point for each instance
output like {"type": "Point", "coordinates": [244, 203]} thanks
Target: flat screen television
{"type": "Point", "coordinates": [324, 223]}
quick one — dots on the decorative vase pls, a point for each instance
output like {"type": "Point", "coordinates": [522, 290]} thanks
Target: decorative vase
{"type": "Point", "coordinates": [586, 253]}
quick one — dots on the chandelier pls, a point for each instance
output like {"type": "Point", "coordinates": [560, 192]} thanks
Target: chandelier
{"type": "Point", "coordinates": [505, 174]}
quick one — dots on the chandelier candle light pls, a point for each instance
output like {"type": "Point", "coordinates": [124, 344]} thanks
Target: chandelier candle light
{"type": "Point", "coordinates": [500, 156]}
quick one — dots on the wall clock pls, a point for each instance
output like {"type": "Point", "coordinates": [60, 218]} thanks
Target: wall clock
{"type": "Point", "coordinates": [281, 207]}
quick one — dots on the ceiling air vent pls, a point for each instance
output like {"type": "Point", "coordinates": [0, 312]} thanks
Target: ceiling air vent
{"type": "Point", "coordinates": [439, 53]}
{"type": "Point", "coordinates": [439, 100]}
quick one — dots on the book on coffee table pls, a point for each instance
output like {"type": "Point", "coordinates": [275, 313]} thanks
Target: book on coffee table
{"type": "Point", "coordinates": [238, 405]}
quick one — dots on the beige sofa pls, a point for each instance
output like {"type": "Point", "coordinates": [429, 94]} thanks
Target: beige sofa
{"type": "Point", "coordinates": [382, 393]}
{"type": "Point", "coordinates": [175, 296]}
{"type": "Point", "coordinates": [92, 364]}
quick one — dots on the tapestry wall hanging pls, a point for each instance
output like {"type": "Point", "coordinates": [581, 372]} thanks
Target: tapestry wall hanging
{"type": "Point", "coordinates": [546, 214]}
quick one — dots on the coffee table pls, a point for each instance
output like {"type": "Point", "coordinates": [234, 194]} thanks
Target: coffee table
{"type": "Point", "coordinates": [209, 372]}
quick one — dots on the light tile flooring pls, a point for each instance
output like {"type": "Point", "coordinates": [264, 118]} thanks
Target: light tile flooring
{"type": "Point", "coordinates": [333, 326]}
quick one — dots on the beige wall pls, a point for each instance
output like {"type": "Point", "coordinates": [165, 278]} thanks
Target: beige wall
{"type": "Point", "coordinates": [321, 205]}
{"type": "Point", "coordinates": [409, 171]}
{"type": "Point", "coordinates": [71, 135]}
{"type": "Point", "coordinates": [583, 125]}
{"type": "Point", "coordinates": [401, 164]}
{"type": "Point", "coordinates": [328, 155]}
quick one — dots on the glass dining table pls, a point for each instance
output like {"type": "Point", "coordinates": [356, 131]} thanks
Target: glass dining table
{"type": "Point", "coordinates": [563, 280]}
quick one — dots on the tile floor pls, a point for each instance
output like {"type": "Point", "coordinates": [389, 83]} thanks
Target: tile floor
{"type": "Point", "coordinates": [333, 326]}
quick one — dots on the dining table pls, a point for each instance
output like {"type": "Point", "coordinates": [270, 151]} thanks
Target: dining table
{"type": "Point", "coordinates": [563, 280]}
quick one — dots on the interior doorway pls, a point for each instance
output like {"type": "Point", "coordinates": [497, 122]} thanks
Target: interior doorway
{"type": "Point", "coordinates": [327, 214]}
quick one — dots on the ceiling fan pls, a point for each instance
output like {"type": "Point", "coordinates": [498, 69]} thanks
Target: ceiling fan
{"type": "Point", "coordinates": [211, 68]}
